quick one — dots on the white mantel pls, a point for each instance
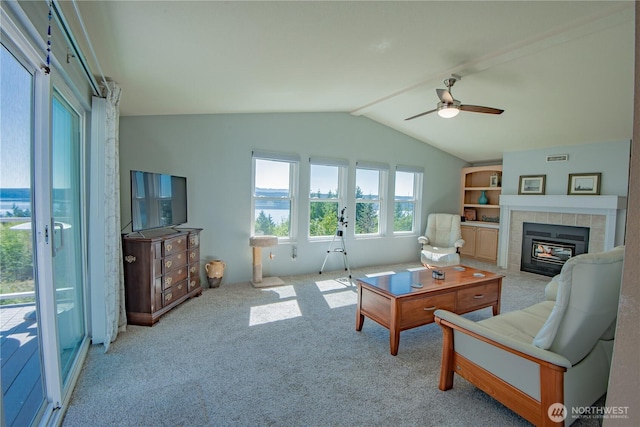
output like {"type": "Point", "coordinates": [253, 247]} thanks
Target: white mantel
{"type": "Point", "coordinates": [613, 208]}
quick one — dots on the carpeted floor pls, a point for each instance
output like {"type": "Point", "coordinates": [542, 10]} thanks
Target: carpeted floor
{"type": "Point", "coordinates": [285, 356]}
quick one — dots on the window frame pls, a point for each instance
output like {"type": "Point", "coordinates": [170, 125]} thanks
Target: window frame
{"type": "Point", "coordinates": [383, 172]}
{"type": "Point", "coordinates": [340, 198]}
{"type": "Point", "coordinates": [294, 164]}
{"type": "Point", "coordinates": [418, 176]}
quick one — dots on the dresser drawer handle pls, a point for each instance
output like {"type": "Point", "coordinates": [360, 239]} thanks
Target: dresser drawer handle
{"type": "Point", "coordinates": [430, 308]}
{"type": "Point", "coordinates": [180, 286]}
{"type": "Point", "coordinates": [192, 241]}
{"type": "Point", "coordinates": [180, 271]}
{"type": "Point", "coordinates": [168, 264]}
{"type": "Point", "coordinates": [193, 269]}
{"type": "Point", "coordinates": [192, 283]}
{"type": "Point", "coordinates": [168, 247]}
{"type": "Point", "coordinates": [478, 296]}
{"type": "Point", "coordinates": [179, 241]}
{"type": "Point", "coordinates": [192, 255]}
{"type": "Point", "coordinates": [179, 256]}
{"type": "Point", "coordinates": [168, 297]}
{"type": "Point", "coordinates": [168, 281]}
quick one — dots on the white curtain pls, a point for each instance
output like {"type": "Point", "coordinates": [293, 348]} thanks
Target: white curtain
{"type": "Point", "coordinates": [116, 315]}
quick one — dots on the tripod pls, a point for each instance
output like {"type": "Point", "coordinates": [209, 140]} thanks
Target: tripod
{"type": "Point", "coordinates": [342, 223]}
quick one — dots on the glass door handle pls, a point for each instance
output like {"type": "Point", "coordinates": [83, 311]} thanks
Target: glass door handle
{"type": "Point", "coordinates": [61, 227]}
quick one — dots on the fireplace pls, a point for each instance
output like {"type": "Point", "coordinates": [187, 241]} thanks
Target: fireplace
{"type": "Point", "coordinates": [603, 215]}
{"type": "Point", "coordinates": [546, 247]}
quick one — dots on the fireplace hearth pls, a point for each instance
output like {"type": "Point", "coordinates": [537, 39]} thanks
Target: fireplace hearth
{"type": "Point", "coordinates": [546, 247]}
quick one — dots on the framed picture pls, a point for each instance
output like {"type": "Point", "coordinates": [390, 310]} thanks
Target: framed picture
{"type": "Point", "coordinates": [493, 180]}
{"type": "Point", "coordinates": [584, 183]}
{"type": "Point", "coordinates": [531, 184]}
{"type": "Point", "coordinates": [469, 214]}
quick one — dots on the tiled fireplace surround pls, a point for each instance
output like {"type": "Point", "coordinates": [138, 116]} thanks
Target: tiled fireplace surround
{"type": "Point", "coordinates": [602, 214]}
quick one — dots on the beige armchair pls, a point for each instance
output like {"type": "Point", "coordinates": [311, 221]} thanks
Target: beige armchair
{"type": "Point", "coordinates": [442, 241]}
{"type": "Point", "coordinates": [555, 352]}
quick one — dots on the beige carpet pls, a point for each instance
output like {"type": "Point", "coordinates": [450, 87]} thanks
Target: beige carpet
{"type": "Point", "coordinates": [286, 356]}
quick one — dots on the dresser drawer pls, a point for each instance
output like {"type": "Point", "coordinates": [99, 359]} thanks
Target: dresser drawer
{"type": "Point", "coordinates": [174, 262]}
{"type": "Point", "coordinates": [194, 282]}
{"type": "Point", "coordinates": [194, 240]}
{"type": "Point", "coordinates": [194, 255]}
{"type": "Point", "coordinates": [175, 276]}
{"type": "Point", "coordinates": [419, 311]}
{"type": "Point", "coordinates": [194, 269]}
{"type": "Point", "coordinates": [476, 297]}
{"type": "Point", "coordinates": [174, 293]}
{"type": "Point", "coordinates": [175, 245]}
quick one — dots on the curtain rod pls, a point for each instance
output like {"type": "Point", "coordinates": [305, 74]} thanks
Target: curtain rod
{"type": "Point", "coordinates": [93, 53]}
{"type": "Point", "coordinates": [66, 30]}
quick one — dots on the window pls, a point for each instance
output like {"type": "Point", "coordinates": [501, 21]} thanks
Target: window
{"type": "Point", "coordinates": [369, 202]}
{"type": "Point", "coordinates": [273, 200]}
{"type": "Point", "coordinates": [407, 206]}
{"type": "Point", "coordinates": [326, 183]}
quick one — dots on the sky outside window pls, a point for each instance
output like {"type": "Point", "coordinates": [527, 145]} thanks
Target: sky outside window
{"type": "Point", "coordinates": [404, 184]}
{"type": "Point", "coordinates": [324, 179]}
{"type": "Point", "coordinates": [15, 128]}
{"type": "Point", "coordinates": [271, 174]}
{"type": "Point", "coordinates": [369, 181]}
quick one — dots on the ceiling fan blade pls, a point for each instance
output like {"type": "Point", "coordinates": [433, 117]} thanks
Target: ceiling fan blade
{"type": "Point", "coordinates": [421, 114]}
{"type": "Point", "coordinates": [479, 109]}
{"type": "Point", "coordinates": [445, 96]}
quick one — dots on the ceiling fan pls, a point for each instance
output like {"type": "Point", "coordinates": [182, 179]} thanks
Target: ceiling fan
{"type": "Point", "coordinates": [449, 107]}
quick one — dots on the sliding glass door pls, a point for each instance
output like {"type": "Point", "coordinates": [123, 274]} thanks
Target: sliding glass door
{"type": "Point", "coordinates": [20, 343]}
{"type": "Point", "coordinates": [67, 231]}
{"type": "Point", "coordinates": [43, 333]}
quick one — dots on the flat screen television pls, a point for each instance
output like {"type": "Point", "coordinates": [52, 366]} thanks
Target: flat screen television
{"type": "Point", "coordinates": [157, 200]}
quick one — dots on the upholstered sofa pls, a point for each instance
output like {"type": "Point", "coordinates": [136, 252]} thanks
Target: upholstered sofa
{"type": "Point", "coordinates": [557, 351]}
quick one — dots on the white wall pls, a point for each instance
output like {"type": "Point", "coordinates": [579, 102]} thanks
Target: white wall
{"type": "Point", "coordinates": [214, 153]}
{"type": "Point", "coordinates": [609, 158]}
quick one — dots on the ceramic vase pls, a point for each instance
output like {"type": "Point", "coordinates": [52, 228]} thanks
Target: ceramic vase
{"type": "Point", "coordinates": [215, 271]}
{"type": "Point", "coordinates": [483, 198]}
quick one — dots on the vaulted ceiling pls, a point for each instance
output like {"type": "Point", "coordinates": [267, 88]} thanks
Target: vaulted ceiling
{"type": "Point", "coordinates": [562, 71]}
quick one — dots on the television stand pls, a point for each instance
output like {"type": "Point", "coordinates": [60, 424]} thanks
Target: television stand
{"type": "Point", "coordinates": [161, 271]}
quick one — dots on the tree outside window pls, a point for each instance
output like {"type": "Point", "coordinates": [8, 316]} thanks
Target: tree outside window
{"type": "Point", "coordinates": [368, 201]}
{"type": "Point", "coordinates": [324, 199]}
{"type": "Point", "coordinates": [405, 201]}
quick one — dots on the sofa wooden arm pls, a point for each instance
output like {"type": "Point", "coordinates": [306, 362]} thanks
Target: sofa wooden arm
{"type": "Point", "coordinates": [551, 377]}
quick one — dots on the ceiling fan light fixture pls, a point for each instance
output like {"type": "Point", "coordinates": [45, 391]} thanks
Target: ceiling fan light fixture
{"type": "Point", "coordinates": [448, 111]}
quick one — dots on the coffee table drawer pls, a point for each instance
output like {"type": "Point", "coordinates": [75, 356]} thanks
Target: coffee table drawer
{"type": "Point", "coordinates": [477, 297]}
{"type": "Point", "coordinates": [419, 311]}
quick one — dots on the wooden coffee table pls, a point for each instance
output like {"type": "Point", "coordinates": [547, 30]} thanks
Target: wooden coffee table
{"type": "Point", "coordinates": [396, 303]}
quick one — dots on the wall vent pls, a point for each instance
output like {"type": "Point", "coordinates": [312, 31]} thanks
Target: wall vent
{"type": "Point", "coordinates": [558, 158]}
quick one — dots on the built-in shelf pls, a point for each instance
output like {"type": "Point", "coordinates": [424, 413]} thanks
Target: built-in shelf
{"type": "Point", "coordinates": [467, 205]}
{"type": "Point", "coordinates": [483, 188]}
{"type": "Point", "coordinates": [481, 237]}
{"type": "Point", "coordinates": [486, 224]}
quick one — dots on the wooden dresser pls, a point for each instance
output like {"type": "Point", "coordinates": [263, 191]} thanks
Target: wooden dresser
{"type": "Point", "coordinates": [161, 271]}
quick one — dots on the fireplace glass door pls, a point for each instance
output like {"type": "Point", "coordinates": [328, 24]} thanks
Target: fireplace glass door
{"type": "Point", "coordinates": [552, 253]}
